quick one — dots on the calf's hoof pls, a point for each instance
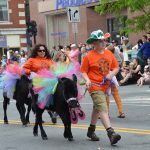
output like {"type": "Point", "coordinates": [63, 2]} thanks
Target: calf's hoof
{"type": "Point", "coordinates": [27, 122]}
{"type": "Point", "coordinates": [66, 135]}
{"type": "Point", "coordinates": [54, 120]}
{"type": "Point", "coordinates": [70, 139]}
{"type": "Point", "coordinates": [45, 138]}
{"type": "Point", "coordinates": [24, 125]}
{"type": "Point", "coordinates": [35, 134]}
{"type": "Point", "coordinates": [5, 121]}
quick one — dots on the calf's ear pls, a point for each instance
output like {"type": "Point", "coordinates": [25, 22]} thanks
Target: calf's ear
{"type": "Point", "coordinates": [74, 77]}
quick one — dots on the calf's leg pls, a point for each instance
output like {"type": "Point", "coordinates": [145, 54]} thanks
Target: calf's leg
{"type": "Point", "coordinates": [22, 112]}
{"type": "Point", "coordinates": [65, 117]}
{"type": "Point", "coordinates": [28, 112]}
{"type": "Point", "coordinates": [5, 103]}
{"type": "Point", "coordinates": [39, 113]}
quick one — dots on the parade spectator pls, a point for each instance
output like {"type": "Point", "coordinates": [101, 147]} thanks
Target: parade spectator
{"type": "Point", "coordinates": [126, 46]}
{"type": "Point", "coordinates": [145, 49]}
{"type": "Point", "coordinates": [13, 57]}
{"type": "Point", "coordinates": [117, 52]}
{"type": "Point", "coordinates": [74, 54]}
{"type": "Point", "coordinates": [115, 91]}
{"type": "Point", "coordinates": [148, 62]}
{"type": "Point", "coordinates": [3, 64]}
{"type": "Point", "coordinates": [145, 77]}
{"type": "Point", "coordinates": [125, 68]}
{"type": "Point", "coordinates": [67, 50]}
{"type": "Point", "coordinates": [148, 35]}
{"type": "Point", "coordinates": [97, 64]}
{"type": "Point", "coordinates": [144, 39]}
{"type": "Point", "coordinates": [119, 56]}
{"type": "Point", "coordinates": [138, 45]}
{"type": "Point", "coordinates": [54, 53]}
{"type": "Point", "coordinates": [60, 47]}
{"type": "Point", "coordinates": [4, 60]}
{"type": "Point", "coordinates": [23, 58]}
{"type": "Point", "coordinates": [107, 43]}
{"type": "Point", "coordinates": [61, 57]}
{"type": "Point", "coordinates": [83, 51]}
{"type": "Point", "coordinates": [136, 53]}
{"type": "Point", "coordinates": [133, 75]}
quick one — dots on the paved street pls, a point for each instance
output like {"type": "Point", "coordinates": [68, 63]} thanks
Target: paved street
{"type": "Point", "coordinates": [134, 129]}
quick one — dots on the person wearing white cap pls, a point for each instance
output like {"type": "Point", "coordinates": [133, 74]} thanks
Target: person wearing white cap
{"type": "Point", "coordinates": [74, 53]}
{"type": "Point", "coordinates": [98, 68]}
{"type": "Point", "coordinates": [73, 56]}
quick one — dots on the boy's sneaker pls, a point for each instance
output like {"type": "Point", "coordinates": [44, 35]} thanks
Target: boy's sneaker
{"type": "Point", "coordinates": [113, 137]}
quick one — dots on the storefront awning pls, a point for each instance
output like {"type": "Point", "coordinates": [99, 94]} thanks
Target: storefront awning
{"type": "Point", "coordinates": [51, 5]}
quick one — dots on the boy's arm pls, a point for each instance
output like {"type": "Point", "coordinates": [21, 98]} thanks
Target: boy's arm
{"type": "Point", "coordinates": [88, 82]}
{"type": "Point", "coordinates": [84, 70]}
{"type": "Point", "coordinates": [114, 68]}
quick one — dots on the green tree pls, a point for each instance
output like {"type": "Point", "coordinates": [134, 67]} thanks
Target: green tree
{"type": "Point", "coordinates": [134, 24]}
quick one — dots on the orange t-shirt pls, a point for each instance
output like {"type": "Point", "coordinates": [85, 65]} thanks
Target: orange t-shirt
{"type": "Point", "coordinates": [37, 64]}
{"type": "Point", "coordinates": [97, 66]}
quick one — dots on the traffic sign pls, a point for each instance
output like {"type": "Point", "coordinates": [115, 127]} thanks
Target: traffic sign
{"type": "Point", "coordinates": [73, 14]}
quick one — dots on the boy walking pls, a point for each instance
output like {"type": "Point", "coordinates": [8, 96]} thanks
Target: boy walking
{"type": "Point", "coordinates": [97, 65]}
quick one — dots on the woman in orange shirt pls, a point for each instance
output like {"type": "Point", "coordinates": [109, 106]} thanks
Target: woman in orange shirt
{"type": "Point", "coordinates": [39, 59]}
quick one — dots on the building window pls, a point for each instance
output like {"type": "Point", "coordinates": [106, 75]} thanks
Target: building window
{"type": "Point", "coordinates": [3, 10]}
{"type": "Point", "coordinates": [114, 25]}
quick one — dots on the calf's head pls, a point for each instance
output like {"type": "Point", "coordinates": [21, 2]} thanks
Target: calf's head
{"type": "Point", "coordinates": [70, 91]}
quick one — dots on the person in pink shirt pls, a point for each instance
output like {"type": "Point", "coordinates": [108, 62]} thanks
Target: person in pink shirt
{"type": "Point", "coordinates": [74, 54]}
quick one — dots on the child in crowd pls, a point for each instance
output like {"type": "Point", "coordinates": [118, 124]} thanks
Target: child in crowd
{"type": "Point", "coordinates": [145, 77]}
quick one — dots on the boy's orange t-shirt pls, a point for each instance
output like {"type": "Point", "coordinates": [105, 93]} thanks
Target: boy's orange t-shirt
{"type": "Point", "coordinates": [97, 66]}
{"type": "Point", "coordinates": [37, 64]}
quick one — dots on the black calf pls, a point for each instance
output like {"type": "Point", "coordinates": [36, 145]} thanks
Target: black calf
{"type": "Point", "coordinates": [22, 97]}
{"type": "Point", "coordinates": [66, 90]}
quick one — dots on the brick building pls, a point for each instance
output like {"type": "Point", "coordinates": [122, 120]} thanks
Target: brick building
{"type": "Point", "coordinates": [54, 28]}
{"type": "Point", "coordinates": [13, 24]}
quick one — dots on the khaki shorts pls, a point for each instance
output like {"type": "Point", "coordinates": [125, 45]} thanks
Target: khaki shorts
{"type": "Point", "coordinates": [99, 101]}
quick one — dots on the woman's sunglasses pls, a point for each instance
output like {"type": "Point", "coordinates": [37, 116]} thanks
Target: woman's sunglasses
{"type": "Point", "coordinates": [41, 50]}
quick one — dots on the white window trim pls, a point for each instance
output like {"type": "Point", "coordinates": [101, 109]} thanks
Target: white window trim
{"type": "Point", "coordinates": [8, 15]}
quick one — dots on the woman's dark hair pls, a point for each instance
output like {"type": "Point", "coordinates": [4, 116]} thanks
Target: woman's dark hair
{"type": "Point", "coordinates": [137, 60]}
{"type": "Point", "coordinates": [60, 47]}
{"type": "Point", "coordinates": [69, 47]}
{"type": "Point", "coordinates": [115, 41]}
{"type": "Point", "coordinates": [127, 63]}
{"type": "Point", "coordinates": [23, 54]}
{"type": "Point", "coordinates": [140, 41]}
{"type": "Point", "coordinates": [145, 37]}
{"type": "Point", "coordinates": [35, 50]}
{"type": "Point", "coordinates": [148, 58]}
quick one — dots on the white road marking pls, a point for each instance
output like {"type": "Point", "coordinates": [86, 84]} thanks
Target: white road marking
{"type": "Point", "coordinates": [140, 102]}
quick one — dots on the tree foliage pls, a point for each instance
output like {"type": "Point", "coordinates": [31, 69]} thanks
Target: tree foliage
{"type": "Point", "coordinates": [135, 24]}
